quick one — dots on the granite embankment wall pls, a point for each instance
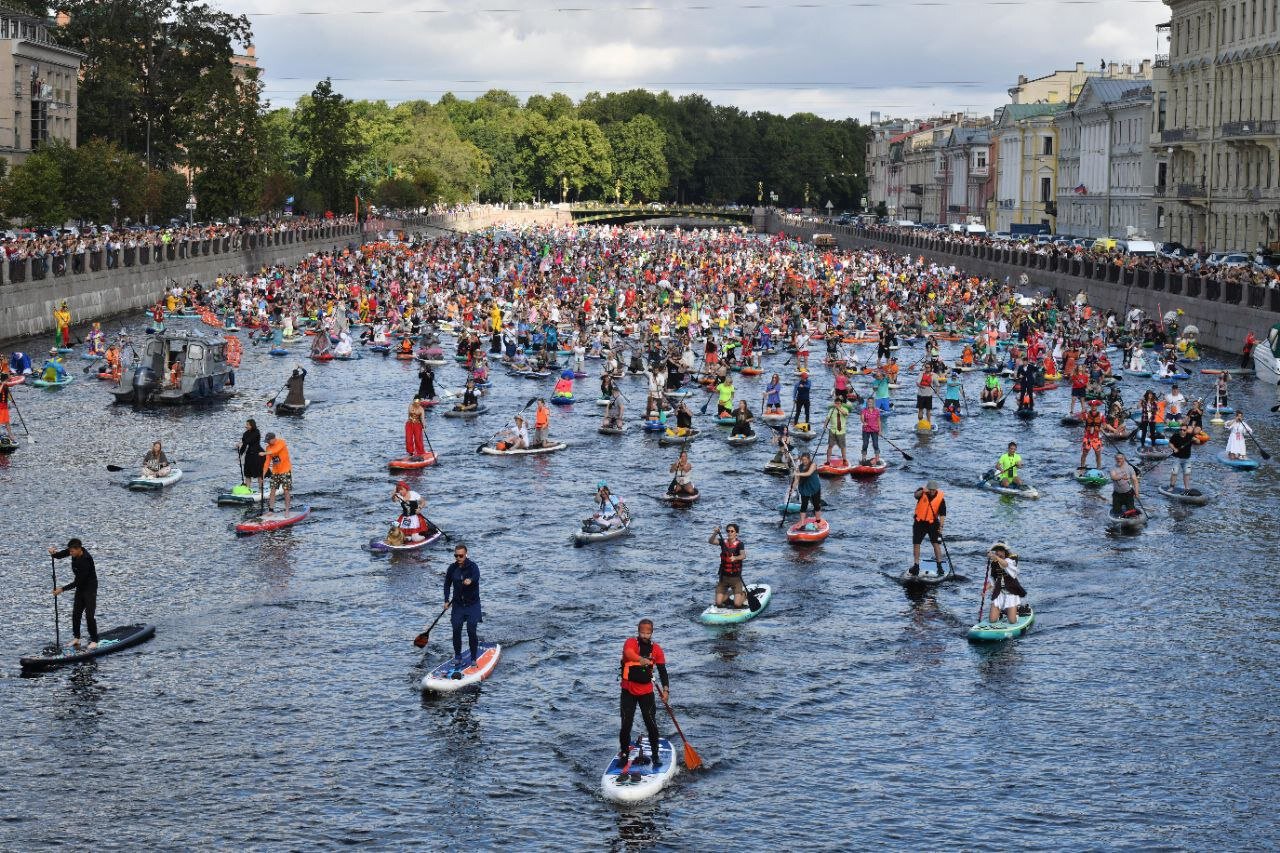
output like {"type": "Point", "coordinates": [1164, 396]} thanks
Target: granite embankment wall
{"type": "Point", "coordinates": [98, 285]}
{"type": "Point", "coordinates": [1224, 312]}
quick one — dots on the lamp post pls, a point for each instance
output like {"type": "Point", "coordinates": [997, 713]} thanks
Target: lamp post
{"type": "Point", "coordinates": [191, 208]}
{"type": "Point", "coordinates": [115, 213]}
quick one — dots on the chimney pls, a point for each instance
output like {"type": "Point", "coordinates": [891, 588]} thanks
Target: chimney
{"type": "Point", "coordinates": [1022, 78]}
{"type": "Point", "coordinates": [1144, 69]}
{"type": "Point", "coordinates": [250, 50]}
{"type": "Point", "coordinates": [1111, 69]}
{"type": "Point", "coordinates": [1128, 70]}
{"type": "Point", "coordinates": [1079, 67]}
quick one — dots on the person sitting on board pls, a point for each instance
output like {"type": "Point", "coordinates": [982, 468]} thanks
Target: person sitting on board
{"type": "Point", "coordinates": [85, 583]}
{"type": "Point", "coordinates": [1124, 487]}
{"type": "Point", "coordinates": [929, 518]}
{"type": "Point", "coordinates": [1195, 416]}
{"type": "Point", "coordinates": [155, 464]}
{"type": "Point", "coordinates": [412, 522]}
{"type": "Point", "coordinates": [1182, 441]}
{"type": "Point", "coordinates": [280, 469]}
{"type": "Point", "coordinates": [295, 397]}
{"type": "Point", "coordinates": [343, 348]}
{"type": "Point", "coordinates": [1007, 468]}
{"type": "Point", "coordinates": [729, 578]}
{"type": "Point", "coordinates": [1237, 430]}
{"type": "Point", "coordinates": [462, 595]}
{"type": "Point", "coordinates": [516, 437]}
{"type": "Point", "coordinates": [1006, 590]}
{"type": "Point", "coordinates": [20, 362]}
{"type": "Point", "coordinates": [742, 419]}
{"type": "Point", "coordinates": [806, 482]}
{"type": "Point", "coordinates": [612, 513]}
{"type": "Point", "coordinates": [684, 419]}
{"type": "Point", "coordinates": [96, 339]}
{"type": "Point", "coordinates": [53, 369]}
{"type": "Point", "coordinates": [682, 483]}
{"type": "Point", "coordinates": [640, 657]}
{"type": "Point", "coordinates": [991, 390]}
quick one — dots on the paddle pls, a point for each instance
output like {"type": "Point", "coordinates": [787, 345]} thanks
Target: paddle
{"type": "Point", "coordinates": [14, 402]}
{"type": "Point", "coordinates": [692, 761]}
{"type": "Point", "coordinates": [1258, 444]}
{"type": "Point", "coordinates": [710, 394]}
{"type": "Point", "coordinates": [531, 401]}
{"type": "Point", "coordinates": [421, 640]}
{"type": "Point", "coordinates": [272, 402]}
{"type": "Point", "coordinates": [57, 627]}
{"type": "Point", "coordinates": [982, 605]}
{"type": "Point", "coordinates": [905, 455]}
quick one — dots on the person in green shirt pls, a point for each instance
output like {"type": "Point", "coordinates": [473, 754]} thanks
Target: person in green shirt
{"type": "Point", "coordinates": [724, 408]}
{"type": "Point", "coordinates": [1007, 467]}
{"type": "Point", "coordinates": [837, 424]}
{"type": "Point", "coordinates": [991, 389]}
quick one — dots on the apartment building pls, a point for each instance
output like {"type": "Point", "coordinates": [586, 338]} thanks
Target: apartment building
{"type": "Point", "coordinates": [1027, 170]}
{"type": "Point", "coordinates": [38, 86]}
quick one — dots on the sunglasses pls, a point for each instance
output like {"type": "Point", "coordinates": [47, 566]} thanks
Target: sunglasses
{"type": "Point", "coordinates": [460, 556]}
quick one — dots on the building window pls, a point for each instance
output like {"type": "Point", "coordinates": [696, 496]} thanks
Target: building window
{"type": "Point", "coordinates": [1161, 105]}
{"type": "Point", "coordinates": [1046, 147]}
{"type": "Point", "coordinates": [1046, 190]}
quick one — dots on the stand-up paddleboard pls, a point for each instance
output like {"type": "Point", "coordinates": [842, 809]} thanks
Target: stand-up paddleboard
{"type": "Point", "coordinates": [382, 546]}
{"type": "Point", "coordinates": [1195, 497]}
{"type": "Point", "coordinates": [995, 631]}
{"type": "Point", "coordinates": [731, 615]}
{"type": "Point", "coordinates": [412, 463]}
{"type": "Point", "coordinates": [1241, 464]}
{"type": "Point", "coordinates": [1093, 478]}
{"type": "Point", "coordinates": [465, 413]}
{"type": "Point", "coordinates": [57, 383]}
{"type": "Point", "coordinates": [525, 451]}
{"type": "Point", "coordinates": [611, 430]}
{"type": "Point", "coordinates": [272, 520]}
{"type": "Point", "coordinates": [144, 484]}
{"type": "Point", "coordinates": [924, 577]}
{"type": "Point", "coordinates": [992, 484]}
{"type": "Point", "coordinates": [837, 467]}
{"type": "Point", "coordinates": [677, 499]}
{"type": "Point", "coordinates": [869, 470]}
{"type": "Point", "coordinates": [669, 438]}
{"type": "Point", "coordinates": [809, 532]}
{"type": "Point", "coordinates": [743, 440]}
{"type": "Point", "coordinates": [1128, 522]}
{"type": "Point", "coordinates": [1026, 414]}
{"type": "Point", "coordinates": [803, 434]}
{"type": "Point", "coordinates": [925, 428]}
{"type": "Point", "coordinates": [445, 679]}
{"type": "Point", "coordinates": [642, 780]}
{"type": "Point", "coordinates": [291, 409]}
{"type": "Point", "coordinates": [583, 536]}
{"type": "Point", "coordinates": [109, 642]}
{"type": "Point", "coordinates": [239, 495]}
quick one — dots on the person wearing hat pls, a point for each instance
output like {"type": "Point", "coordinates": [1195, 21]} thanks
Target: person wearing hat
{"type": "Point", "coordinates": [612, 513]}
{"type": "Point", "coordinates": [1006, 591]}
{"type": "Point", "coordinates": [53, 370]}
{"type": "Point", "coordinates": [800, 398]}
{"type": "Point", "coordinates": [85, 584]}
{"type": "Point", "coordinates": [516, 437]}
{"type": "Point", "coordinates": [280, 469]}
{"type": "Point", "coordinates": [412, 523]}
{"type": "Point", "coordinates": [295, 396]}
{"type": "Point", "coordinates": [1092, 440]}
{"type": "Point", "coordinates": [806, 482]}
{"type": "Point", "coordinates": [62, 321]}
{"type": "Point", "coordinates": [930, 516]}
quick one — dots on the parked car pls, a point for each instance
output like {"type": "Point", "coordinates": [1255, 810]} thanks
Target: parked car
{"type": "Point", "coordinates": [1139, 248]}
{"type": "Point", "coordinates": [1236, 259]}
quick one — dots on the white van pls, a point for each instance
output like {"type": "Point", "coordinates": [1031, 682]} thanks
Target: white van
{"type": "Point", "coordinates": [1141, 248]}
{"type": "Point", "coordinates": [973, 229]}
{"type": "Point", "coordinates": [906, 223]}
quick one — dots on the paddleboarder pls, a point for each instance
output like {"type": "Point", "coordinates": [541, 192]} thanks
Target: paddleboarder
{"type": "Point", "coordinates": [155, 464]}
{"type": "Point", "coordinates": [1008, 465]}
{"type": "Point", "coordinates": [1124, 486]}
{"type": "Point", "coordinates": [295, 397]}
{"type": "Point", "coordinates": [85, 584]}
{"type": "Point", "coordinates": [462, 596]}
{"type": "Point", "coordinates": [426, 383]}
{"type": "Point", "coordinates": [541, 424]}
{"type": "Point", "coordinates": [1006, 590]}
{"type": "Point", "coordinates": [800, 398]}
{"type": "Point", "coordinates": [808, 485]}
{"type": "Point", "coordinates": [413, 431]}
{"type": "Point", "coordinates": [682, 481]}
{"type": "Point", "coordinates": [929, 518]}
{"type": "Point", "coordinates": [250, 452]}
{"type": "Point", "coordinates": [412, 523]}
{"type": "Point", "coordinates": [280, 469]}
{"type": "Point", "coordinates": [5, 394]}
{"type": "Point", "coordinates": [732, 554]}
{"type": "Point", "coordinates": [640, 657]}
{"type": "Point", "coordinates": [1182, 441]}
{"type": "Point", "coordinates": [1092, 440]}
{"type": "Point", "coordinates": [1237, 430]}
{"type": "Point", "coordinates": [62, 321]}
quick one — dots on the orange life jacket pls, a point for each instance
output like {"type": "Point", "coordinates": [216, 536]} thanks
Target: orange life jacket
{"type": "Point", "coordinates": [927, 510]}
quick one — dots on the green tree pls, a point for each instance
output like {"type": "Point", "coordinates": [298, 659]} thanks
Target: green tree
{"type": "Point", "coordinates": [36, 189]}
{"type": "Point", "coordinates": [639, 164]}
{"type": "Point", "coordinates": [225, 153]}
{"type": "Point", "coordinates": [572, 152]}
{"type": "Point", "coordinates": [98, 172]}
{"type": "Point", "coordinates": [326, 131]}
{"type": "Point", "coordinates": [397, 193]}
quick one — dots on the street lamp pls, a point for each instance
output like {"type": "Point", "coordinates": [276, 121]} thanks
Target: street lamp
{"type": "Point", "coordinates": [191, 208]}
{"type": "Point", "coordinates": [115, 213]}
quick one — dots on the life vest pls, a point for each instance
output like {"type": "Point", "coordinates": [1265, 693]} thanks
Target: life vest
{"type": "Point", "coordinates": [542, 418]}
{"type": "Point", "coordinates": [927, 510]}
{"type": "Point", "coordinates": [727, 566]}
{"type": "Point", "coordinates": [639, 674]}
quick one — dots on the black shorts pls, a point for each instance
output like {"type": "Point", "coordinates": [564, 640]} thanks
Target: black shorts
{"type": "Point", "coordinates": [925, 403]}
{"type": "Point", "coordinates": [1078, 392]}
{"type": "Point", "coordinates": [921, 529]}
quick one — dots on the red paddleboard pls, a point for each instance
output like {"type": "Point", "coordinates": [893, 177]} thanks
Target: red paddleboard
{"type": "Point", "coordinates": [835, 468]}
{"type": "Point", "coordinates": [870, 470]}
{"type": "Point", "coordinates": [272, 520]}
{"type": "Point", "coordinates": [408, 464]}
{"type": "Point", "coordinates": [798, 533]}
{"type": "Point", "coordinates": [15, 380]}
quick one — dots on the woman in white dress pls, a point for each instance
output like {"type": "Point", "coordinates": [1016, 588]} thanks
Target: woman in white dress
{"type": "Point", "coordinates": [1007, 591]}
{"type": "Point", "coordinates": [1236, 432]}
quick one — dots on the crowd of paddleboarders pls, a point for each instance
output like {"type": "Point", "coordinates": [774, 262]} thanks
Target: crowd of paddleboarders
{"type": "Point", "coordinates": [692, 320]}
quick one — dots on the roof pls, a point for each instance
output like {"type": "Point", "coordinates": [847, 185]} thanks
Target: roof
{"type": "Point", "coordinates": [1018, 112]}
{"type": "Point", "coordinates": [970, 136]}
{"type": "Point", "coordinates": [1109, 91]}
{"type": "Point", "coordinates": [904, 136]}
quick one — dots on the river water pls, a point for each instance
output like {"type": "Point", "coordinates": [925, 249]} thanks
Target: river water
{"type": "Point", "coordinates": [277, 706]}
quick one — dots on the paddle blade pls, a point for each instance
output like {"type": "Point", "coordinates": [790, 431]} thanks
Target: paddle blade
{"type": "Point", "coordinates": [115, 468]}
{"type": "Point", "coordinates": [692, 761]}
{"type": "Point", "coordinates": [421, 640]}
{"type": "Point", "coordinates": [377, 546]}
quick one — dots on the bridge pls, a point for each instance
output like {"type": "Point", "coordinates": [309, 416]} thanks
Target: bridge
{"type": "Point", "coordinates": [675, 214]}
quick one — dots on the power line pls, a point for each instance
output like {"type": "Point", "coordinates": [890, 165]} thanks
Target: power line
{"type": "Point", "coordinates": [701, 7]}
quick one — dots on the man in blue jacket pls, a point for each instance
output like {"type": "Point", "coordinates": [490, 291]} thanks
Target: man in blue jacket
{"type": "Point", "coordinates": [462, 588]}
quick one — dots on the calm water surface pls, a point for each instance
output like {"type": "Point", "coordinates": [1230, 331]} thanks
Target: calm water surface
{"type": "Point", "coordinates": [277, 706]}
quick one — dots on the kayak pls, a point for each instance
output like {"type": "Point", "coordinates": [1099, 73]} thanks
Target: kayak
{"type": "Point", "coordinates": [583, 536]}
{"type": "Point", "coordinates": [732, 615]}
{"type": "Point", "coordinates": [525, 451]}
{"type": "Point", "coordinates": [803, 534]}
{"type": "Point", "coordinates": [1195, 497]}
{"type": "Point", "coordinates": [669, 438]}
{"type": "Point", "coordinates": [291, 409]}
{"type": "Point", "coordinates": [57, 383]}
{"type": "Point", "coordinates": [465, 413]}
{"type": "Point", "coordinates": [412, 463]}
{"type": "Point", "coordinates": [142, 484]}
{"type": "Point", "coordinates": [994, 631]}
{"type": "Point", "coordinates": [837, 467]}
{"type": "Point", "coordinates": [1024, 491]}
{"type": "Point", "coordinates": [641, 781]}
{"type": "Point", "coordinates": [239, 495]}
{"type": "Point", "coordinates": [1241, 464]}
{"type": "Point", "coordinates": [445, 679]}
{"type": "Point", "coordinates": [1129, 522]}
{"type": "Point", "coordinates": [381, 545]}
{"type": "Point", "coordinates": [272, 520]}
{"type": "Point", "coordinates": [1093, 478]}
{"type": "Point", "coordinates": [866, 469]}
{"type": "Point", "coordinates": [742, 440]}
{"type": "Point", "coordinates": [611, 430]}
{"type": "Point", "coordinates": [109, 642]}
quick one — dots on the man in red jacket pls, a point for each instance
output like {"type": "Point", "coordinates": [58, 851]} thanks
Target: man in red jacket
{"type": "Point", "coordinates": [640, 656]}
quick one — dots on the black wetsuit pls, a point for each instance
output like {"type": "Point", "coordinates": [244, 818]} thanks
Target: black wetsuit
{"type": "Point", "coordinates": [426, 383]}
{"type": "Point", "coordinates": [85, 585]}
{"type": "Point", "coordinates": [466, 603]}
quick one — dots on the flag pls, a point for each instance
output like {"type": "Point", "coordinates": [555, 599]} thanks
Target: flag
{"type": "Point", "coordinates": [1081, 190]}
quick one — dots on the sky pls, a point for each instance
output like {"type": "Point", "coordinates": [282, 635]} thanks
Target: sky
{"type": "Point", "coordinates": [835, 59]}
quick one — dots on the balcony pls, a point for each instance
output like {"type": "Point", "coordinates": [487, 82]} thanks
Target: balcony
{"type": "Point", "coordinates": [1162, 60]}
{"type": "Point", "coordinates": [917, 189]}
{"type": "Point", "coordinates": [1161, 189]}
{"type": "Point", "coordinates": [1181, 134]}
{"type": "Point", "coordinates": [1235, 129]}
{"type": "Point", "coordinates": [1191, 191]}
